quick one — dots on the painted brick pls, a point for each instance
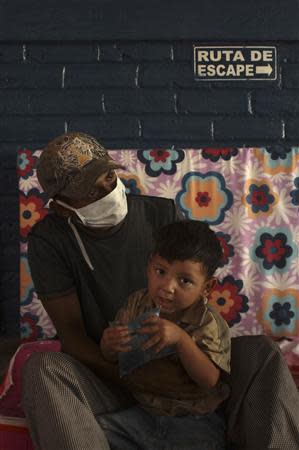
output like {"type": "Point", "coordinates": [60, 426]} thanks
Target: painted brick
{"type": "Point", "coordinates": [138, 51]}
{"type": "Point", "coordinates": [235, 85]}
{"type": "Point", "coordinates": [109, 20]}
{"type": "Point", "coordinates": [274, 103]}
{"type": "Point", "coordinates": [100, 75]}
{"type": "Point", "coordinates": [216, 102]}
{"type": "Point", "coordinates": [11, 53]}
{"type": "Point", "coordinates": [183, 51]}
{"type": "Point", "coordinates": [10, 258]}
{"type": "Point", "coordinates": [28, 129]}
{"type": "Point", "coordinates": [65, 101]}
{"type": "Point", "coordinates": [139, 101]}
{"type": "Point", "coordinates": [10, 310]}
{"type": "Point", "coordinates": [14, 102]}
{"type": "Point", "coordinates": [178, 128]}
{"type": "Point", "coordinates": [8, 156]}
{"type": "Point", "coordinates": [155, 142]}
{"type": "Point", "coordinates": [24, 76]}
{"type": "Point", "coordinates": [8, 181]}
{"type": "Point", "coordinates": [135, 143]}
{"type": "Point", "coordinates": [288, 52]}
{"type": "Point", "coordinates": [9, 232]}
{"type": "Point", "coordinates": [292, 130]}
{"type": "Point", "coordinates": [9, 210]}
{"type": "Point", "coordinates": [9, 285]}
{"type": "Point", "coordinates": [5, 305]}
{"type": "Point", "coordinates": [8, 153]}
{"type": "Point", "coordinates": [57, 52]}
{"type": "Point", "coordinates": [181, 74]}
{"type": "Point", "coordinates": [247, 130]}
{"type": "Point", "coordinates": [10, 316]}
{"type": "Point", "coordinates": [167, 75]}
{"type": "Point", "coordinates": [290, 76]}
{"type": "Point", "coordinates": [109, 52]}
{"type": "Point", "coordinates": [147, 51]}
{"type": "Point", "coordinates": [104, 128]}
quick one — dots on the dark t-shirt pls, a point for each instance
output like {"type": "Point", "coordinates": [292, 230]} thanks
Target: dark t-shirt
{"type": "Point", "coordinates": [119, 257]}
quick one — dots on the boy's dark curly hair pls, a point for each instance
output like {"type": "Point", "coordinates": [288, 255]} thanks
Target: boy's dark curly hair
{"type": "Point", "coordinates": [189, 240]}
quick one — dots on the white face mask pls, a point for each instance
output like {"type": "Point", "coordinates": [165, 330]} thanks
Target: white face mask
{"type": "Point", "coordinates": [105, 212]}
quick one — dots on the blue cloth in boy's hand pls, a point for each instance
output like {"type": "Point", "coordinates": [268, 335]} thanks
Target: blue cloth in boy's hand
{"type": "Point", "coordinates": [136, 357]}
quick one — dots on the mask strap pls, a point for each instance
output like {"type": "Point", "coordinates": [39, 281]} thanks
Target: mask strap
{"type": "Point", "coordinates": [80, 243]}
{"type": "Point", "coordinates": [70, 208]}
{"type": "Point", "coordinates": [60, 202]}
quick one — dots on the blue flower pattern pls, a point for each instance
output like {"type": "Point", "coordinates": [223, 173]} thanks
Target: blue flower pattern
{"type": "Point", "coordinates": [160, 161]}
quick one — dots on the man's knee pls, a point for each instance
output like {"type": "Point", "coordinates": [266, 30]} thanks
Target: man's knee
{"type": "Point", "coordinates": [39, 363]}
{"type": "Point", "coordinates": [39, 367]}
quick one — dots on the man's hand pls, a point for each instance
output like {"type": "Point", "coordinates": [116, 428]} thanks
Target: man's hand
{"type": "Point", "coordinates": [164, 333]}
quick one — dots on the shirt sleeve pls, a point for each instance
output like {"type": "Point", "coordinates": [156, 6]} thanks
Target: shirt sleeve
{"type": "Point", "coordinates": [123, 315]}
{"type": "Point", "coordinates": [49, 271]}
{"type": "Point", "coordinates": [213, 338]}
{"type": "Point", "coordinates": [179, 216]}
{"type": "Point", "coordinates": [132, 308]}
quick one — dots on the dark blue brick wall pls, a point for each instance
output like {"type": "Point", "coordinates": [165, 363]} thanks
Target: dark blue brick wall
{"type": "Point", "coordinates": [139, 94]}
{"type": "Point", "coordinates": [220, 20]}
{"type": "Point", "coordinates": [123, 72]}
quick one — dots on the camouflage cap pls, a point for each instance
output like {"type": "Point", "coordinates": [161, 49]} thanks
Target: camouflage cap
{"type": "Point", "coordinates": [70, 164]}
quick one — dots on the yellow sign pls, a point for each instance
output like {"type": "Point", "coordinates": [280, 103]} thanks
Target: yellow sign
{"type": "Point", "coordinates": [235, 63]}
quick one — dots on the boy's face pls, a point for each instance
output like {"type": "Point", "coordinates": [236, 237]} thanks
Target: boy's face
{"type": "Point", "coordinates": [177, 285]}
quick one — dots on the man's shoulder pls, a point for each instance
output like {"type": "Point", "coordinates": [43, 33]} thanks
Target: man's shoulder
{"type": "Point", "coordinates": [153, 207]}
{"type": "Point", "coordinates": [51, 223]}
{"type": "Point", "coordinates": [150, 200]}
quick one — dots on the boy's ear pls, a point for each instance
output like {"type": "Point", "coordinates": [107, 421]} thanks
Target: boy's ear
{"type": "Point", "coordinates": [210, 284]}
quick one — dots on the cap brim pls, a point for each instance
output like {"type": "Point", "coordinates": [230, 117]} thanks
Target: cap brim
{"type": "Point", "coordinates": [83, 182]}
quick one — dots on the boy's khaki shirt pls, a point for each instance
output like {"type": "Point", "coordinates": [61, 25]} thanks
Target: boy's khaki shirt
{"type": "Point", "coordinates": [211, 333]}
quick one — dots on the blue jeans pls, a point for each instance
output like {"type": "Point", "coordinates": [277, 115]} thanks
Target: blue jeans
{"type": "Point", "coordinates": [136, 429]}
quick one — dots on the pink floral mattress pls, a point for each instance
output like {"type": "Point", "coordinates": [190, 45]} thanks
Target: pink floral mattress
{"type": "Point", "coordinates": [250, 197]}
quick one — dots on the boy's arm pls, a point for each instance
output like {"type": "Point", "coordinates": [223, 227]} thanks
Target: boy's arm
{"type": "Point", "coordinates": [207, 351]}
{"type": "Point", "coordinates": [196, 363]}
{"type": "Point", "coordinates": [202, 355]}
{"type": "Point", "coordinates": [66, 315]}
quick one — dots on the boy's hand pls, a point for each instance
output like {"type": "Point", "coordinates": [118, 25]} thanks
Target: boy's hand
{"type": "Point", "coordinates": [163, 332]}
{"type": "Point", "coordinates": [115, 339]}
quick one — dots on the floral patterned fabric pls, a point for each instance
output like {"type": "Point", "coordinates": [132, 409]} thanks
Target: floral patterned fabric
{"type": "Point", "coordinates": [249, 196]}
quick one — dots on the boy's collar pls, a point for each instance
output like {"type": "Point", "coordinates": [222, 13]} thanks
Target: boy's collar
{"type": "Point", "coordinates": [192, 314]}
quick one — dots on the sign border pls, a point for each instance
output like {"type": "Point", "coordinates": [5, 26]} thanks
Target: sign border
{"type": "Point", "coordinates": [210, 80]}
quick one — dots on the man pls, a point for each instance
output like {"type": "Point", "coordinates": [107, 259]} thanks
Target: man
{"type": "Point", "coordinates": [85, 257]}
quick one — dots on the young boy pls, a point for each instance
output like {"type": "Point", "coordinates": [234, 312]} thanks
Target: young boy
{"type": "Point", "coordinates": [180, 277]}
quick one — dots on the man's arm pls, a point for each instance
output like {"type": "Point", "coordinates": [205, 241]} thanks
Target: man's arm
{"type": "Point", "coordinates": [66, 316]}
{"type": "Point", "coordinates": [65, 313]}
